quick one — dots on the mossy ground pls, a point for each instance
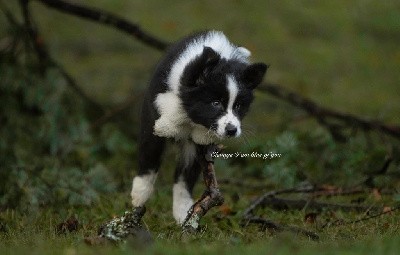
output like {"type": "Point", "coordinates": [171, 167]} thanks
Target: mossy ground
{"type": "Point", "coordinates": [343, 54]}
{"type": "Point", "coordinates": [36, 233]}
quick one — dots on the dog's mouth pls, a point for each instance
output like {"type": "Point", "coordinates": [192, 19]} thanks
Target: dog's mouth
{"type": "Point", "coordinates": [214, 127]}
{"type": "Point", "coordinates": [229, 131]}
{"type": "Point", "coordinates": [214, 130]}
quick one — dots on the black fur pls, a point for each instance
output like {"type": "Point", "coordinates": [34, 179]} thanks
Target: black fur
{"type": "Point", "coordinates": [204, 96]}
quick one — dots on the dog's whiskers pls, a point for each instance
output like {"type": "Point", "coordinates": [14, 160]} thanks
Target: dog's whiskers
{"type": "Point", "coordinates": [245, 137]}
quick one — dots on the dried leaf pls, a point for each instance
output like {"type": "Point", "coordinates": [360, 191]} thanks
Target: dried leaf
{"type": "Point", "coordinates": [225, 210]}
{"type": "Point", "coordinates": [377, 194]}
{"type": "Point", "coordinates": [70, 225]}
{"type": "Point", "coordinates": [328, 187]}
{"type": "Point", "coordinates": [310, 218]}
{"type": "Point", "coordinates": [387, 209]}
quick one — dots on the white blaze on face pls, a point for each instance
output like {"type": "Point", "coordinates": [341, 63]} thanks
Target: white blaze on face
{"type": "Point", "coordinates": [230, 117]}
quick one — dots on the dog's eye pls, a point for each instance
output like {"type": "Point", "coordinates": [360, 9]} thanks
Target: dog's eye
{"type": "Point", "coordinates": [237, 106]}
{"type": "Point", "coordinates": [216, 103]}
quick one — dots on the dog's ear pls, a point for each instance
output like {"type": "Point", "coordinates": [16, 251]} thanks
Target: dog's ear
{"type": "Point", "coordinates": [209, 57]}
{"type": "Point", "coordinates": [198, 69]}
{"type": "Point", "coordinates": [254, 74]}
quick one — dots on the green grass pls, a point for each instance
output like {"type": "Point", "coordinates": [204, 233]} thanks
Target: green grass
{"type": "Point", "coordinates": [35, 233]}
{"type": "Point", "coordinates": [343, 54]}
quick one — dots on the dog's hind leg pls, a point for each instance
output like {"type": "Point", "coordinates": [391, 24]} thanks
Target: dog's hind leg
{"type": "Point", "coordinates": [186, 175]}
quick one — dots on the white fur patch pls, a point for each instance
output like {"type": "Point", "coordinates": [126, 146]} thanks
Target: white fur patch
{"type": "Point", "coordinates": [202, 135]}
{"type": "Point", "coordinates": [182, 201]}
{"type": "Point", "coordinates": [215, 40]}
{"type": "Point", "coordinates": [142, 188]}
{"type": "Point", "coordinates": [229, 117]}
{"type": "Point", "coordinates": [188, 153]}
{"type": "Point", "coordinates": [245, 52]}
{"type": "Point", "coordinates": [173, 121]}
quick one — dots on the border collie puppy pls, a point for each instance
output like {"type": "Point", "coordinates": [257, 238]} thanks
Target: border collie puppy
{"type": "Point", "coordinates": [199, 93]}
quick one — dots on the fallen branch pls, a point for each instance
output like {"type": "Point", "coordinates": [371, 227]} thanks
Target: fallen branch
{"type": "Point", "coordinates": [275, 227]}
{"type": "Point", "coordinates": [270, 199]}
{"type": "Point", "coordinates": [300, 204]}
{"type": "Point", "coordinates": [338, 192]}
{"type": "Point", "coordinates": [341, 222]}
{"type": "Point", "coordinates": [248, 213]}
{"type": "Point", "coordinates": [322, 114]}
{"type": "Point", "coordinates": [73, 84]}
{"type": "Point", "coordinates": [108, 19]}
{"type": "Point", "coordinates": [211, 197]}
{"type": "Point", "coordinates": [317, 191]}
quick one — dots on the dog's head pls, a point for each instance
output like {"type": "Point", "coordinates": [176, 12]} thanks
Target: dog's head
{"type": "Point", "coordinates": [216, 93]}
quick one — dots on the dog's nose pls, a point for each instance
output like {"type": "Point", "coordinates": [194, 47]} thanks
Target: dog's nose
{"type": "Point", "coordinates": [230, 130]}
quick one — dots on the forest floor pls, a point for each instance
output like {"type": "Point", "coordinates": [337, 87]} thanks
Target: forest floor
{"type": "Point", "coordinates": [40, 233]}
{"type": "Point", "coordinates": [345, 55]}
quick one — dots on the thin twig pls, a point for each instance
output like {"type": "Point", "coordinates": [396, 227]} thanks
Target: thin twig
{"type": "Point", "coordinates": [73, 84]}
{"type": "Point", "coordinates": [31, 31]}
{"type": "Point", "coordinates": [108, 19]}
{"type": "Point", "coordinates": [276, 227]}
{"type": "Point", "coordinates": [270, 199]}
{"type": "Point", "coordinates": [341, 222]}
{"type": "Point", "coordinates": [46, 60]}
{"type": "Point", "coordinates": [10, 18]}
{"type": "Point", "coordinates": [260, 200]}
{"type": "Point", "coordinates": [317, 191]}
{"type": "Point", "coordinates": [300, 204]}
{"type": "Point", "coordinates": [319, 112]}
{"type": "Point", "coordinates": [338, 192]}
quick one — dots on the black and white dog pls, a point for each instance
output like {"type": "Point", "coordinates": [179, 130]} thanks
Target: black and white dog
{"type": "Point", "coordinates": [200, 92]}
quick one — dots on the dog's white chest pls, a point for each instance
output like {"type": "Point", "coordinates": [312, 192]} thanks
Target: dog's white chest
{"type": "Point", "coordinates": [174, 122]}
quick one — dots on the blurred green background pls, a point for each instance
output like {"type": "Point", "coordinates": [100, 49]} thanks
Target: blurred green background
{"type": "Point", "coordinates": [344, 55]}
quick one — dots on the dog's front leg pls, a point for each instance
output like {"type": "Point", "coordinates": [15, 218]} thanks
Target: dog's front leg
{"type": "Point", "coordinates": [211, 197]}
